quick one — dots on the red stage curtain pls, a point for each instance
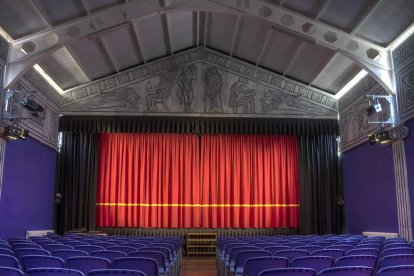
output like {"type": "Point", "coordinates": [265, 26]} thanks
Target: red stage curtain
{"type": "Point", "coordinates": [174, 180]}
{"type": "Point", "coordinates": [141, 177]}
{"type": "Point", "coordinates": [259, 174]}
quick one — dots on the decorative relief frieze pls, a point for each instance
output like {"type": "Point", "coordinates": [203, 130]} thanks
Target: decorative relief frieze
{"type": "Point", "coordinates": [195, 82]}
{"type": "Point", "coordinates": [403, 53]}
{"type": "Point", "coordinates": [403, 58]}
{"type": "Point", "coordinates": [405, 88]}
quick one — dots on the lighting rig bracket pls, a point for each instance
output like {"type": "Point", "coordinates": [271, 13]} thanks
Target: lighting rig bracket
{"type": "Point", "coordinates": [12, 130]}
{"type": "Point", "coordinates": [375, 107]}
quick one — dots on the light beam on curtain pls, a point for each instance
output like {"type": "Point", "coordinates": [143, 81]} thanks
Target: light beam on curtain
{"type": "Point", "coordinates": [176, 180]}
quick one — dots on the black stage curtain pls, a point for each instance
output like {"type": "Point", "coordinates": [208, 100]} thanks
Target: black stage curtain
{"type": "Point", "coordinates": [319, 166]}
{"type": "Point", "coordinates": [320, 184]}
{"type": "Point", "coordinates": [77, 177]}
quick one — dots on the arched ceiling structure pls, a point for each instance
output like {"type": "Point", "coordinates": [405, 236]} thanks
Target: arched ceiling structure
{"type": "Point", "coordinates": [321, 43]}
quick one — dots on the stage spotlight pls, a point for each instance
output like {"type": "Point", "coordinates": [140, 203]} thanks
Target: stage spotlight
{"type": "Point", "coordinates": [381, 137]}
{"type": "Point", "coordinates": [373, 108]}
{"type": "Point", "coordinates": [30, 104]}
{"type": "Point", "coordinates": [14, 132]}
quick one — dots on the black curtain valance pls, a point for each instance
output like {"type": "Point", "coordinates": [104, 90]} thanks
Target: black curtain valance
{"type": "Point", "coordinates": [199, 125]}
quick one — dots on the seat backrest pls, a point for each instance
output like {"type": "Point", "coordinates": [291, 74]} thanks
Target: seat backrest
{"type": "Point", "coordinates": [343, 247]}
{"type": "Point", "coordinates": [395, 245]}
{"type": "Point", "coordinates": [116, 272]}
{"type": "Point", "coordinates": [89, 248]}
{"type": "Point", "coordinates": [397, 251]}
{"type": "Point", "coordinates": [25, 245]}
{"type": "Point", "coordinates": [395, 260]}
{"type": "Point", "coordinates": [364, 251]}
{"type": "Point", "coordinates": [292, 253]}
{"type": "Point", "coordinates": [147, 265]}
{"type": "Point", "coordinates": [49, 271]}
{"type": "Point", "coordinates": [108, 254]}
{"type": "Point", "coordinates": [309, 248]}
{"type": "Point", "coordinates": [158, 256]}
{"type": "Point", "coordinates": [399, 270]}
{"type": "Point", "coordinates": [347, 270]}
{"type": "Point", "coordinates": [334, 253]}
{"type": "Point", "coordinates": [6, 251]}
{"type": "Point", "coordinates": [67, 253]}
{"type": "Point", "coordinates": [275, 248]}
{"type": "Point", "coordinates": [135, 245]}
{"type": "Point", "coordinates": [87, 263]}
{"type": "Point", "coordinates": [288, 272]}
{"type": "Point", "coordinates": [125, 249]}
{"type": "Point", "coordinates": [36, 261]}
{"type": "Point", "coordinates": [30, 251]}
{"type": "Point", "coordinates": [9, 261]}
{"type": "Point", "coordinates": [253, 266]}
{"type": "Point", "coordinates": [75, 243]}
{"type": "Point", "coordinates": [235, 250]}
{"type": "Point", "coordinates": [10, 271]}
{"type": "Point", "coordinates": [53, 247]}
{"type": "Point", "coordinates": [104, 244]}
{"type": "Point", "coordinates": [164, 250]}
{"type": "Point", "coordinates": [242, 256]}
{"type": "Point", "coordinates": [357, 260]}
{"type": "Point", "coordinates": [317, 263]}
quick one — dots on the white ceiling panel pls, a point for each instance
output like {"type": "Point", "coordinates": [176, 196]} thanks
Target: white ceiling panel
{"type": "Point", "coordinates": [389, 19]}
{"type": "Point", "coordinates": [182, 29]}
{"type": "Point", "coordinates": [97, 5]}
{"type": "Point", "coordinates": [220, 30]}
{"type": "Point", "coordinates": [151, 37]}
{"type": "Point", "coordinates": [309, 8]}
{"type": "Point", "coordinates": [346, 15]}
{"type": "Point", "coordinates": [63, 69]}
{"type": "Point", "coordinates": [336, 74]}
{"type": "Point", "coordinates": [310, 61]}
{"type": "Point", "coordinates": [58, 12]}
{"type": "Point", "coordinates": [20, 18]}
{"type": "Point", "coordinates": [91, 58]}
{"type": "Point", "coordinates": [251, 38]}
{"type": "Point", "coordinates": [125, 54]}
{"type": "Point", "coordinates": [280, 49]}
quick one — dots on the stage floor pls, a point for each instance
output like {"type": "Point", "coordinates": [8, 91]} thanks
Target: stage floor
{"type": "Point", "coordinates": [199, 267]}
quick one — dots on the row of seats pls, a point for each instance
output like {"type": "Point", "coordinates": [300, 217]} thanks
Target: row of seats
{"type": "Point", "coordinates": [9, 271]}
{"type": "Point", "coordinates": [251, 255]}
{"type": "Point", "coordinates": [153, 255]}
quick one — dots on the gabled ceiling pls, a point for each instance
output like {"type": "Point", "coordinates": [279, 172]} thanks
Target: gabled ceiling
{"type": "Point", "coordinates": [168, 26]}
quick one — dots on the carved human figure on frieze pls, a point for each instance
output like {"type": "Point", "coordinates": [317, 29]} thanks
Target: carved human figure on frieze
{"type": "Point", "coordinates": [185, 91]}
{"type": "Point", "coordinates": [279, 100]}
{"type": "Point", "coordinates": [241, 97]}
{"type": "Point", "coordinates": [212, 95]}
{"type": "Point", "coordinates": [160, 92]}
{"type": "Point", "coordinates": [121, 99]}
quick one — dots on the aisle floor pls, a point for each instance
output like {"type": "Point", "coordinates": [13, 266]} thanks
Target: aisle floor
{"type": "Point", "coordinates": [199, 267]}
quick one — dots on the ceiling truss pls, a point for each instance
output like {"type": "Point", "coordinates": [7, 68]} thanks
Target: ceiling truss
{"type": "Point", "coordinates": [374, 58]}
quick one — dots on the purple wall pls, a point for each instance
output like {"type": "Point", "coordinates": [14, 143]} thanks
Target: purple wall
{"type": "Point", "coordinates": [26, 201]}
{"type": "Point", "coordinates": [369, 189]}
{"type": "Point", "coordinates": [409, 155]}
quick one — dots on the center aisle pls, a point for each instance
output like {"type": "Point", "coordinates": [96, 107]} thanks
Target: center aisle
{"type": "Point", "coordinates": [199, 267]}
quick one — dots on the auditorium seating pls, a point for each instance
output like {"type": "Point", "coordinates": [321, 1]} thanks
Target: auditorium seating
{"type": "Point", "coordinates": [328, 255]}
